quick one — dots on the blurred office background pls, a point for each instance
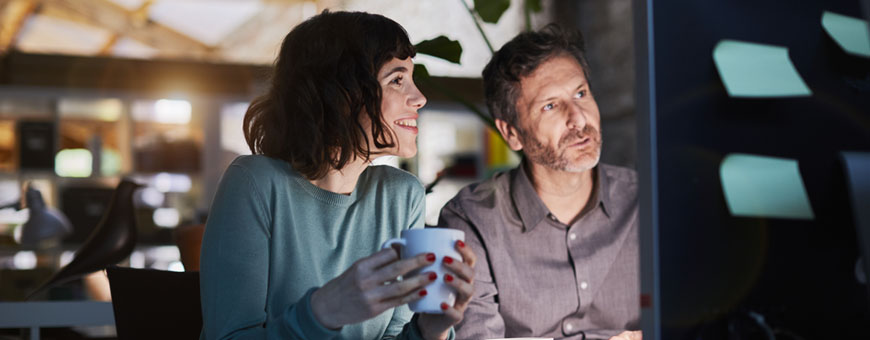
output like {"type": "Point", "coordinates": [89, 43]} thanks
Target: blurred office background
{"type": "Point", "coordinates": [95, 90]}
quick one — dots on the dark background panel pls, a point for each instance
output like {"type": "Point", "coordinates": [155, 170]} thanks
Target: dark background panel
{"type": "Point", "coordinates": [720, 273]}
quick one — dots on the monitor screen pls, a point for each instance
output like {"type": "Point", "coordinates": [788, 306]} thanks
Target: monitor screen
{"type": "Point", "coordinates": [712, 273]}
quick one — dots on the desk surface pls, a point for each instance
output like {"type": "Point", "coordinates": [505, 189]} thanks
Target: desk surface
{"type": "Point", "coordinates": [55, 314]}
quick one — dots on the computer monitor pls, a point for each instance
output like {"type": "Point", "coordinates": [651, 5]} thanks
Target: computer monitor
{"type": "Point", "coordinates": [707, 274]}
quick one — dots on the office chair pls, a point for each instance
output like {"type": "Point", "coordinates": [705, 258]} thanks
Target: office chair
{"type": "Point", "coordinates": [155, 304]}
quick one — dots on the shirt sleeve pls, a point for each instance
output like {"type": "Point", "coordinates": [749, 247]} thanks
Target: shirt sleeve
{"type": "Point", "coordinates": [481, 319]}
{"type": "Point", "coordinates": [234, 270]}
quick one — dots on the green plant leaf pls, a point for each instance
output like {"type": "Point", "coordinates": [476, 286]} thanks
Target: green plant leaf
{"type": "Point", "coordinates": [420, 73]}
{"type": "Point", "coordinates": [491, 10]}
{"type": "Point", "coordinates": [441, 47]}
{"type": "Point", "coordinates": [533, 5]}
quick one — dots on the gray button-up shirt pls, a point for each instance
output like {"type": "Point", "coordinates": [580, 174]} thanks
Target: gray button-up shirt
{"type": "Point", "coordinates": [536, 276]}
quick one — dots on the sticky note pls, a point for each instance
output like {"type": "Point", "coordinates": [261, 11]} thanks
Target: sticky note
{"type": "Point", "coordinates": [757, 70]}
{"type": "Point", "coordinates": [850, 33]}
{"type": "Point", "coordinates": [760, 186]}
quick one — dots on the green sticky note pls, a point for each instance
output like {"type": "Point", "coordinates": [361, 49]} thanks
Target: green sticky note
{"type": "Point", "coordinates": [850, 33]}
{"type": "Point", "coordinates": [757, 70]}
{"type": "Point", "coordinates": [759, 186]}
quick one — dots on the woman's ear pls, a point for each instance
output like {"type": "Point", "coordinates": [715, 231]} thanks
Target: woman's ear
{"type": "Point", "coordinates": [510, 134]}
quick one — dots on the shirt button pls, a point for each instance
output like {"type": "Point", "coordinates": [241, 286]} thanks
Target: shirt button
{"type": "Point", "coordinates": [568, 327]}
{"type": "Point", "coordinates": [584, 285]}
{"type": "Point", "coordinates": [572, 236]}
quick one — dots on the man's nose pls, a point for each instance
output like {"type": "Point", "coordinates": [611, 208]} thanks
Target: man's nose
{"type": "Point", "coordinates": [576, 116]}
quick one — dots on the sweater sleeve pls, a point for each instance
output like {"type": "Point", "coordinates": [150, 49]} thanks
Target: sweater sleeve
{"type": "Point", "coordinates": [234, 269]}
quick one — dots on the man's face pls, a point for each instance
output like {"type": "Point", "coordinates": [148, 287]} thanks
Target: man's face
{"type": "Point", "coordinates": [558, 122]}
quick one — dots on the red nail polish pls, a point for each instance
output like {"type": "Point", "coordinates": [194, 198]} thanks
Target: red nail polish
{"type": "Point", "coordinates": [423, 292]}
{"type": "Point", "coordinates": [432, 276]}
{"type": "Point", "coordinates": [430, 257]}
{"type": "Point", "coordinates": [448, 278]}
{"type": "Point", "coordinates": [460, 244]}
{"type": "Point", "coordinates": [448, 260]}
{"type": "Point", "coordinates": [444, 306]}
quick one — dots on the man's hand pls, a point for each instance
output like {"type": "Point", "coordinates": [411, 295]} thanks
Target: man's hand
{"type": "Point", "coordinates": [628, 335]}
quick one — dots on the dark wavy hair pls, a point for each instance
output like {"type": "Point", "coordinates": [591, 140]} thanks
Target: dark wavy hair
{"type": "Point", "coordinates": [519, 58]}
{"type": "Point", "coordinates": [324, 82]}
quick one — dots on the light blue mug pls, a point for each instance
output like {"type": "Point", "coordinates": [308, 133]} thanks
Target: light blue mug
{"type": "Point", "coordinates": [441, 242]}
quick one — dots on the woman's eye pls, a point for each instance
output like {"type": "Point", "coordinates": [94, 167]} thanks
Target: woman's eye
{"type": "Point", "coordinates": [549, 107]}
{"type": "Point", "coordinates": [580, 94]}
{"type": "Point", "coordinates": [397, 81]}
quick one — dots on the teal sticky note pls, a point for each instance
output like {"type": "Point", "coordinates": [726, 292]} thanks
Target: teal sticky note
{"type": "Point", "coordinates": [757, 70]}
{"type": "Point", "coordinates": [850, 33]}
{"type": "Point", "coordinates": [760, 186]}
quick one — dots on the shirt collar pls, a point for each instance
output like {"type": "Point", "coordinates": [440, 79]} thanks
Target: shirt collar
{"type": "Point", "coordinates": [529, 205]}
{"type": "Point", "coordinates": [602, 190]}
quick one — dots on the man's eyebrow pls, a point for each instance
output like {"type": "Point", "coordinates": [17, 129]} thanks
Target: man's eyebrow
{"type": "Point", "coordinates": [582, 84]}
{"type": "Point", "coordinates": [396, 69]}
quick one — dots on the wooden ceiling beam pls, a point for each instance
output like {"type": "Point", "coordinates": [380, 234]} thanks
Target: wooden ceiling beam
{"type": "Point", "coordinates": [138, 18]}
{"type": "Point", "coordinates": [248, 30]}
{"type": "Point", "coordinates": [259, 38]}
{"type": "Point", "coordinates": [258, 34]}
{"type": "Point", "coordinates": [124, 23]}
{"type": "Point", "coordinates": [106, 50]}
{"type": "Point", "coordinates": [160, 78]}
{"type": "Point", "coordinates": [108, 75]}
{"type": "Point", "coordinates": [14, 14]}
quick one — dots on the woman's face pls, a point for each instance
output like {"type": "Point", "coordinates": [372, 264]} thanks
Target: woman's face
{"type": "Point", "coordinates": [399, 105]}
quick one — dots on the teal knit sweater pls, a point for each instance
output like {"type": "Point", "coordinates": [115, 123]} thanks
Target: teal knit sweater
{"type": "Point", "coordinates": [272, 237]}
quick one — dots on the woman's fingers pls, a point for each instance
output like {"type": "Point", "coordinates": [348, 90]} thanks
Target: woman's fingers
{"type": "Point", "coordinates": [406, 299]}
{"type": "Point", "coordinates": [393, 270]}
{"type": "Point", "coordinates": [464, 289]}
{"type": "Point", "coordinates": [452, 313]}
{"type": "Point", "coordinates": [468, 256]}
{"type": "Point", "coordinates": [401, 289]}
{"type": "Point", "coordinates": [461, 269]}
{"type": "Point", "coordinates": [377, 260]}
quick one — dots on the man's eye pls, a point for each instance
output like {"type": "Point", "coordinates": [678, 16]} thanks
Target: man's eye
{"type": "Point", "coordinates": [548, 107]}
{"type": "Point", "coordinates": [580, 94]}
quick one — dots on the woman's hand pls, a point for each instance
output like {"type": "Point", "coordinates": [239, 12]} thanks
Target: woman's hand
{"type": "Point", "coordinates": [437, 326]}
{"type": "Point", "coordinates": [362, 292]}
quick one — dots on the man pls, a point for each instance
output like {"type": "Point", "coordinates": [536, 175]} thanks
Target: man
{"type": "Point", "coordinates": [555, 238]}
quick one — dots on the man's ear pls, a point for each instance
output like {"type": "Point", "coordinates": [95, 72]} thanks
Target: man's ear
{"type": "Point", "coordinates": [510, 134]}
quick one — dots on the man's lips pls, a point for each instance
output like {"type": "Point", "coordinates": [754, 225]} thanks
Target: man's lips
{"type": "Point", "coordinates": [581, 142]}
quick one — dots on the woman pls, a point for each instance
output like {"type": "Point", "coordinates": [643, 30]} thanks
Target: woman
{"type": "Point", "coordinates": [292, 244]}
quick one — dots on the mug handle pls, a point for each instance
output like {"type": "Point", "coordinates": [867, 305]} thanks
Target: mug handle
{"type": "Point", "coordinates": [392, 241]}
